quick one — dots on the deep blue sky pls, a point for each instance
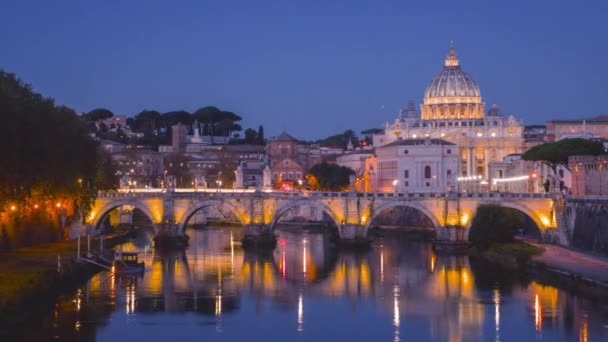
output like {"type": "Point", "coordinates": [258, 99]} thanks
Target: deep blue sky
{"type": "Point", "coordinates": [308, 67]}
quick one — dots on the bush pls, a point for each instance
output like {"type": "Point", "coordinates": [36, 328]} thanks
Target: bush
{"type": "Point", "coordinates": [494, 224]}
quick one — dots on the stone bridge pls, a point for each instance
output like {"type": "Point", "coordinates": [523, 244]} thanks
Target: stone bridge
{"type": "Point", "coordinates": [352, 212]}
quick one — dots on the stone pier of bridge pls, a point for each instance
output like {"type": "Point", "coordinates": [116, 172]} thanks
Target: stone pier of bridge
{"type": "Point", "coordinates": [352, 213]}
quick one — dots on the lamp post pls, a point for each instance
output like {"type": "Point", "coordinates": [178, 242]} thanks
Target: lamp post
{"type": "Point", "coordinates": [395, 182]}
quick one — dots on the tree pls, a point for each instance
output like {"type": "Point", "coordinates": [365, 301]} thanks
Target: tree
{"type": "Point", "coordinates": [147, 121]}
{"type": "Point", "coordinates": [42, 166]}
{"type": "Point", "coordinates": [169, 119]}
{"type": "Point", "coordinates": [556, 154]}
{"type": "Point", "coordinates": [98, 114]}
{"type": "Point", "coordinates": [494, 224]}
{"type": "Point", "coordinates": [261, 140]}
{"type": "Point", "coordinates": [340, 140]}
{"type": "Point", "coordinates": [251, 136]}
{"type": "Point", "coordinates": [218, 122]}
{"type": "Point", "coordinates": [330, 177]}
{"type": "Point", "coordinates": [371, 131]}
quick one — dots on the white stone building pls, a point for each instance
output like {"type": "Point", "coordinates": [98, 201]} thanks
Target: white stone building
{"type": "Point", "coordinates": [415, 165]}
{"type": "Point", "coordinates": [453, 111]}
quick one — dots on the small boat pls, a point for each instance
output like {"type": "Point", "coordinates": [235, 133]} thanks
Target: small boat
{"type": "Point", "coordinates": [126, 262]}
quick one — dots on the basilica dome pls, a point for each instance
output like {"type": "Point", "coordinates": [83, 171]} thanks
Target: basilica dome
{"type": "Point", "coordinates": [452, 84]}
{"type": "Point", "coordinates": [452, 94]}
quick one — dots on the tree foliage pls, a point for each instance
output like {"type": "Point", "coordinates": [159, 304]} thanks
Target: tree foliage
{"type": "Point", "coordinates": [329, 177]}
{"type": "Point", "coordinates": [556, 153]}
{"type": "Point", "coordinates": [340, 140]}
{"type": "Point", "coordinates": [494, 224]}
{"type": "Point", "coordinates": [98, 114]}
{"type": "Point", "coordinates": [48, 157]}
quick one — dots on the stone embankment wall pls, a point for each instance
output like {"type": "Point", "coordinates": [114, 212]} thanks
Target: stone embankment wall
{"type": "Point", "coordinates": [587, 224]}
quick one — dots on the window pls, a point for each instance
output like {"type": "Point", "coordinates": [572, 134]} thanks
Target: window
{"type": "Point", "coordinates": [406, 173]}
{"type": "Point", "coordinates": [428, 184]}
{"type": "Point", "coordinates": [275, 175]}
{"type": "Point", "coordinates": [406, 151]}
{"type": "Point", "coordinates": [286, 163]}
{"type": "Point", "coordinates": [449, 151]}
{"type": "Point", "coordinates": [290, 175]}
{"type": "Point", "coordinates": [284, 149]}
{"type": "Point", "coordinates": [427, 171]}
{"type": "Point", "coordinates": [449, 173]}
{"type": "Point", "coordinates": [561, 173]}
{"type": "Point", "coordinates": [407, 183]}
{"type": "Point", "coordinates": [298, 175]}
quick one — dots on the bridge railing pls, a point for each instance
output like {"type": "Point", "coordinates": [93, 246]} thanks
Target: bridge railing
{"type": "Point", "coordinates": [187, 192]}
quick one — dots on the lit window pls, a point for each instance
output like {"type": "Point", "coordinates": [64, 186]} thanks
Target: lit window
{"type": "Point", "coordinates": [414, 135]}
{"type": "Point", "coordinates": [493, 134]}
{"type": "Point", "coordinates": [479, 134]}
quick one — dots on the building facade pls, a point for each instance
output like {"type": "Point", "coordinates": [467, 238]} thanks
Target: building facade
{"type": "Point", "coordinates": [589, 175]}
{"type": "Point", "coordinates": [415, 165]}
{"type": "Point", "coordinates": [453, 111]}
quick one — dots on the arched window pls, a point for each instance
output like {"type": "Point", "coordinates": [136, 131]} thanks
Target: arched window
{"type": "Point", "coordinates": [427, 171]}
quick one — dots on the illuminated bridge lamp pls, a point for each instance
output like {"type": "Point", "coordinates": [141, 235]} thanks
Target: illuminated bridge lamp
{"type": "Point", "coordinates": [464, 219]}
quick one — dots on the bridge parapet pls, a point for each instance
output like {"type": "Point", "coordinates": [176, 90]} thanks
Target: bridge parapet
{"type": "Point", "coordinates": [352, 212]}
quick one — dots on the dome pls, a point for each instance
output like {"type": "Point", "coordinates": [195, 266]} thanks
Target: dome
{"type": "Point", "coordinates": [494, 111]}
{"type": "Point", "coordinates": [452, 84]}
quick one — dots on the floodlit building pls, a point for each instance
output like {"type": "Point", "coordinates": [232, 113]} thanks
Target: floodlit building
{"type": "Point", "coordinates": [453, 111]}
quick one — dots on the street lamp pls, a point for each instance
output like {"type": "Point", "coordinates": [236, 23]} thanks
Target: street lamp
{"type": "Point", "coordinates": [395, 185]}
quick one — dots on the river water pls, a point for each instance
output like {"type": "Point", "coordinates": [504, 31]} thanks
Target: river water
{"type": "Point", "coordinates": [306, 290]}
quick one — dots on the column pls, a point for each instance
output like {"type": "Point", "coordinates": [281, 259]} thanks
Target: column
{"type": "Point", "coordinates": [470, 160]}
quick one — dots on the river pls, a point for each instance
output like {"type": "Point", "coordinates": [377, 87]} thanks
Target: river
{"type": "Point", "coordinates": [306, 290]}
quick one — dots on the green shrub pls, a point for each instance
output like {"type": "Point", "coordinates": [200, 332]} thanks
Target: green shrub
{"type": "Point", "coordinates": [494, 224]}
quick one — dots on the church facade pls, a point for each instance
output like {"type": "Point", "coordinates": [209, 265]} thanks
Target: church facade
{"type": "Point", "coordinates": [453, 111]}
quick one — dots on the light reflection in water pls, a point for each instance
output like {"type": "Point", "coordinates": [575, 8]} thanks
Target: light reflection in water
{"type": "Point", "coordinates": [396, 314]}
{"type": "Point", "coordinates": [538, 314]}
{"type": "Point", "coordinates": [215, 278]}
{"type": "Point", "coordinates": [301, 312]}
{"type": "Point", "coordinates": [496, 300]}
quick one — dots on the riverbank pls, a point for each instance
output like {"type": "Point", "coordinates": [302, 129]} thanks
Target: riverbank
{"type": "Point", "coordinates": [553, 265]}
{"type": "Point", "coordinates": [33, 276]}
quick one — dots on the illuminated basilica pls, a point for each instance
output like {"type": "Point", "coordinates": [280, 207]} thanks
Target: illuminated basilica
{"type": "Point", "coordinates": [453, 111]}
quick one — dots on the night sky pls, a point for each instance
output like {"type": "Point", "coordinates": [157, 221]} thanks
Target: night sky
{"type": "Point", "coordinates": [308, 67]}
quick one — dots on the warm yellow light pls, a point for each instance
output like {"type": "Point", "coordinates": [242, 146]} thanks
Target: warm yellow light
{"type": "Point", "coordinates": [493, 134]}
{"type": "Point", "coordinates": [464, 219]}
{"type": "Point", "coordinates": [545, 220]}
{"type": "Point", "coordinates": [35, 206]}
{"type": "Point", "coordinates": [13, 208]}
{"type": "Point", "coordinates": [363, 219]}
{"type": "Point", "coordinates": [58, 205]}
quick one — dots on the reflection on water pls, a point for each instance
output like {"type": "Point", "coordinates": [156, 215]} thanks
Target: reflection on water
{"type": "Point", "coordinates": [306, 289]}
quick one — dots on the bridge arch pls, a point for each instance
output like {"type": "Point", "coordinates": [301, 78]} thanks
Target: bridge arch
{"type": "Point", "coordinates": [521, 208]}
{"type": "Point", "coordinates": [285, 207]}
{"type": "Point", "coordinates": [410, 204]}
{"type": "Point", "coordinates": [106, 208]}
{"type": "Point", "coordinates": [196, 206]}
